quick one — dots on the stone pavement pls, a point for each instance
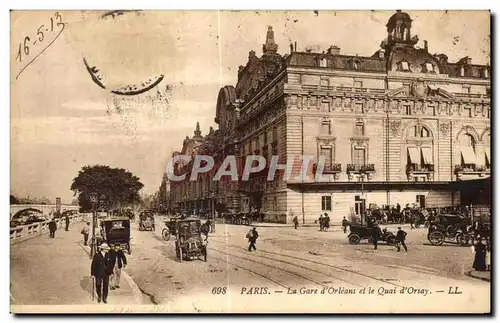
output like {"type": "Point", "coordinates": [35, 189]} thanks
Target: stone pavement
{"type": "Point", "coordinates": [482, 275]}
{"type": "Point", "coordinates": [56, 271]}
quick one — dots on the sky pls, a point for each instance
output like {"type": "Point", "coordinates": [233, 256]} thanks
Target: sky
{"type": "Point", "coordinates": [62, 121]}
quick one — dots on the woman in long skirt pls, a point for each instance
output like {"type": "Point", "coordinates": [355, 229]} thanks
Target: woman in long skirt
{"type": "Point", "coordinates": [479, 257]}
{"type": "Point", "coordinates": [488, 257]}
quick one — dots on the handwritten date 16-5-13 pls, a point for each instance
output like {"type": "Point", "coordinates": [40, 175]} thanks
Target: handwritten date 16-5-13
{"type": "Point", "coordinates": [44, 36]}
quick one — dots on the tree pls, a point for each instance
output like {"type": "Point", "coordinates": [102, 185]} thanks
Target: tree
{"type": "Point", "coordinates": [13, 199]}
{"type": "Point", "coordinates": [118, 185]}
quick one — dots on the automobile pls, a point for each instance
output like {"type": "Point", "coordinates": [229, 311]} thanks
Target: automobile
{"type": "Point", "coordinates": [360, 232]}
{"type": "Point", "coordinates": [146, 221]}
{"type": "Point", "coordinates": [115, 231]}
{"type": "Point", "coordinates": [189, 243]}
{"type": "Point", "coordinates": [449, 228]}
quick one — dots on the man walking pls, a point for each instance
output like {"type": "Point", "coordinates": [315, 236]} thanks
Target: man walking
{"type": "Point", "coordinates": [344, 224]}
{"type": "Point", "coordinates": [327, 222]}
{"type": "Point", "coordinates": [252, 236]}
{"type": "Point", "coordinates": [52, 228]}
{"type": "Point", "coordinates": [400, 239]}
{"type": "Point", "coordinates": [66, 220]}
{"type": "Point", "coordinates": [101, 269]}
{"type": "Point", "coordinates": [119, 261]}
{"type": "Point", "coordinates": [321, 222]}
{"type": "Point", "coordinates": [375, 235]}
{"type": "Point", "coordinates": [85, 232]}
{"type": "Point", "coordinates": [295, 222]}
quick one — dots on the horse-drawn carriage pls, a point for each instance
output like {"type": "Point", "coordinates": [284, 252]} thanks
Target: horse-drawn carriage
{"type": "Point", "coordinates": [115, 231]}
{"type": "Point", "coordinates": [360, 232]}
{"type": "Point", "coordinates": [189, 243]}
{"type": "Point", "coordinates": [146, 221]}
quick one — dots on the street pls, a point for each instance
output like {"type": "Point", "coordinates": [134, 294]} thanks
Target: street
{"type": "Point", "coordinates": [287, 260]}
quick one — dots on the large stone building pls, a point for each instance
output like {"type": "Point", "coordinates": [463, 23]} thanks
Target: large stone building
{"type": "Point", "coordinates": [402, 126]}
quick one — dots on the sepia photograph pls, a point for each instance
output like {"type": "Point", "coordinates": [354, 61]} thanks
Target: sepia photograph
{"type": "Point", "coordinates": [250, 161]}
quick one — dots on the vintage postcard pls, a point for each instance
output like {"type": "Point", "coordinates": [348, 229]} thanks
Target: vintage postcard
{"type": "Point", "coordinates": [250, 161]}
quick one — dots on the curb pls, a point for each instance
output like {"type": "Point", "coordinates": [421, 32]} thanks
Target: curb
{"type": "Point", "coordinates": [469, 273]}
{"type": "Point", "coordinates": [137, 294]}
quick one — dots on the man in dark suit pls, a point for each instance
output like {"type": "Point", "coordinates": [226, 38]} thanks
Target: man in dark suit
{"type": "Point", "coordinates": [101, 269]}
{"type": "Point", "coordinates": [118, 261]}
{"type": "Point", "coordinates": [400, 239]}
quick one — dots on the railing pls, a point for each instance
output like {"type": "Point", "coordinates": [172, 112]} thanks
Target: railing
{"type": "Point", "coordinates": [329, 169]}
{"type": "Point", "coordinates": [471, 168]}
{"type": "Point", "coordinates": [353, 168]}
{"type": "Point", "coordinates": [416, 168]}
{"type": "Point", "coordinates": [24, 232]}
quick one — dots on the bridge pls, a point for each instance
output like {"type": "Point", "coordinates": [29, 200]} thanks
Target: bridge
{"type": "Point", "coordinates": [52, 275]}
{"type": "Point", "coordinates": [46, 209]}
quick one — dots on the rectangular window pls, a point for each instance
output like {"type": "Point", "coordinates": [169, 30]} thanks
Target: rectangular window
{"type": "Point", "coordinates": [325, 82]}
{"type": "Point", "coordinates": [359, 156]}
{"type": "Point", "coordinates": [466, 89]}
{"type": "Point", "coordinates": [323, 62]}
{"type": "Point", "coordinates": [360, 130]}
{"type": "Point", "coordinates": [325, 128]}
{"type": "Point", "coordinates": [421, 200]}
{"type": "Point", "coordinates": [358, 84]}
{"type": "Point", "coordinates": [359, 108]}
{"type": "Point", "coordinates": [407, 110]}
{"type": "Point", "coordinates": [326, 203]}
{"type": "Point", "coordinates": [325, 106]}
{"type": "Point", "coordinates": [407, 88]}
{"type": "Point", "coordinates": [327, 152]}
{"type": "Point", "coordinates": [405, 66]}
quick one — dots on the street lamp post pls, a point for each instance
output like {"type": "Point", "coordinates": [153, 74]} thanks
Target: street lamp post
{"type": "Point", "coordinates": [212, 200]}
{"type": "Point", "coordinates": [93, 200]}
{"type": "Point", "coordinates": [363, 201]}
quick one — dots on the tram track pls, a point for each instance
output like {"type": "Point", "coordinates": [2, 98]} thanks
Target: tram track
{"type": "Point", "coordinates": [341, 269]}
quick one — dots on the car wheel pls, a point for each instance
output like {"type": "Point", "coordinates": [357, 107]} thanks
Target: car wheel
{"type": "Point", "coordinates": [391, 240]}
{"type": "Point", "coordinates": [354, 238]}
{"type": "Point", "coordinates": [165, 233]}
{"type": "Point", "coordinates": [436, 238]}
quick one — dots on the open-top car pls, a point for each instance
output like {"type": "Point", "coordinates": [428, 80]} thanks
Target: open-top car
{"type": "Point", "coordinates": [189, 243]}
{"type": "Point", "coordinates": [449, 228]}
{"type": "Point", "coordinates": [360, 232]}
{"type": "Point", "coordinates": [115, 232]}
{"type": "Point", "coordinates": [146, 221]}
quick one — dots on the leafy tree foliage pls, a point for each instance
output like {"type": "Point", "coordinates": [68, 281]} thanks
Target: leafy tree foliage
{"type": "Point", "coordinates": [13, 199]}
{"type": "Point", "coordinates": [119, 186]}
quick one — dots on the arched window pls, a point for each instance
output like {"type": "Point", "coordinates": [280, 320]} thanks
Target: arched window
{"type": "Point", "coordinates": [419, 149]}
{"type": "Point", "coordinates": [466, 140]}
{"type": "Point", "coordinates": [424, 132]}
{"type": "Point", "coordinates": [467, 150]}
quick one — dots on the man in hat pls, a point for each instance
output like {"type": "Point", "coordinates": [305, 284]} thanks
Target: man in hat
{"type": "Point", "coordinates": [252, 236]}
{"type": "Point", "coordinates": [101, 269]}
{"type": "Point", "coordinates": [85, 231]}
{"type": "Point", "coordinates": [400, 239]}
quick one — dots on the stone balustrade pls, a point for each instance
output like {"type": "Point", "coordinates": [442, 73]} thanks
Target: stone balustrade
{"type": "Point", "coordinates": [24, 232]}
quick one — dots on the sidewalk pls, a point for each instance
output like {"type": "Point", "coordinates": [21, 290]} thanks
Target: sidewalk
{"type": "Point", "coordinates": [56, 271]}
{"type": "Point", "coordinates": [482, 275]}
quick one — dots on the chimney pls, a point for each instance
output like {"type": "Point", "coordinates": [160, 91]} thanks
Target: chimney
{"type": "Point", "coordinates": [295, 47]}
{"type": "Point", "coordinates": [425, 45]}
{"type": "Point", "coordinates": [333, 50]}
{"type": "Point", "coordinates": [291, 48]}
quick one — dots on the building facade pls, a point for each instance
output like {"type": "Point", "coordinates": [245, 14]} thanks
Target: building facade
{"type": "Point", "coordinates": [401, 126]}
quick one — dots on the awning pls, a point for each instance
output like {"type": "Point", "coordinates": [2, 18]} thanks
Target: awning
{"type": "Point", "coordinates": [468, 155]}
{"type": "Point", "coordinates": [427, 155]}
{"type": "Point", "coordinates": [413, 153]}
{"type": "Point", "coordinates": [488, 156]}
